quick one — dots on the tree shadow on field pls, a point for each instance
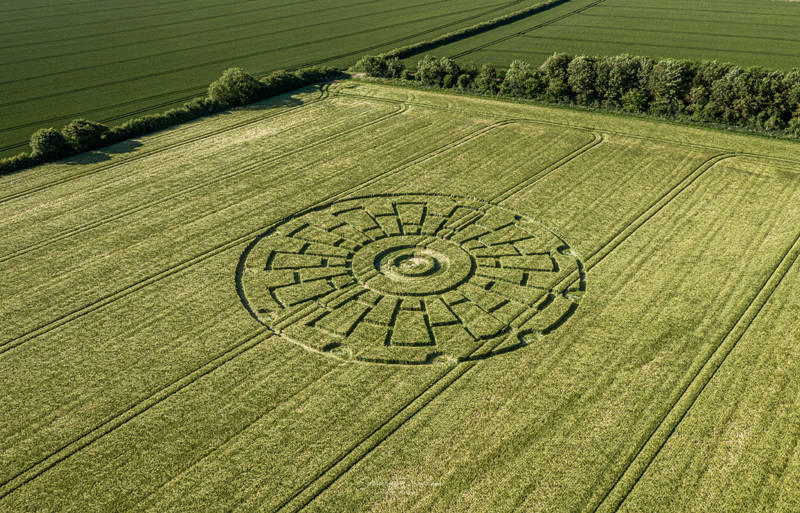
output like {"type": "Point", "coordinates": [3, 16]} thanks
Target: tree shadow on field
{"type": "Point", "coordinates": [122, 147]}
{"type": "Point", "coordinates": [91, 157]}
{"type": "Point", "coordinates": [290, 99]}
{"type": "Point", "coordinates": [284, 100]}
{"type": "Point", "coordinates": [103, 154]}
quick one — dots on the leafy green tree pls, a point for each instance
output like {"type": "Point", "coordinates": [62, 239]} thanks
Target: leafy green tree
{"type": "Point", "coordinates": [430, 71]}
{"type": "Point", "coordinates": [794, 124]}
{"type": "Point", "coordinates": [449, 67]}
{"type": "Point", "coordinates": [636, 101]}
{"type": "Point", "coordinates": [236, 87]}
{"type": "Point", "coordinates": [620, 74]}
{"type": "Point", "coordinates": [582, 79]}
{"type": "Point", "coordinates": [670, 82]}
{"type": "Point", "coordinates": [535, 86]}
{"type": "Point", "coordinates": [487, 81]}
{"type": "Point", "coordinates": [517, 75]}
{"type": "Point", "coordinates": [556, 75]}
{"type": "Point", "coordinates": [698, 99]}
{"type": "Point", "coordinates": [381, 66]}
{"type": "Point", "coordinates": [464, 81]}
{"type": "Point", "coordinates": [84, 135]}
{"type": "Point", "coordinates": [49, 144]}
{"type": "Point", "coordinates": [720, 106]}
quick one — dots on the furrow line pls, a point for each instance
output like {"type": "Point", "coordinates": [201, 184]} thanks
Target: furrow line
{"type": "Point", "coordinates": [121, 418]}
{"type": "Point", "coordinates": [630, 228]}
{"type": "Point", "coordinates": [597, 139]}
{"type": "Point", "coordinates": [247, 169]}
{"type": "Point", "coordinates": [238, 432]}
{"type": "Point", "coordinates": [364, 446]}
{"type": "Point", "coordinates": [641, 460]}
{"type": "Point", "coordinates": [525, 31]}
{"type": "Point", "coordinates": [248, 237]}
{"type": "Point", "coordinates": [214, 133]}
{"type": "Point", "coordinates": [576, 127]}
{"type": "Point", "coordinates": [261, 53]}
{"type": "Point", "coordinates": [359, 450]}
{"type": "Point", "coordinates": [340, 466]}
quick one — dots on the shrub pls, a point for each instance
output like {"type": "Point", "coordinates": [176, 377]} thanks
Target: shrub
{"type": "Point", "coordinates": [236, 87]}
{"type": "Point", "coordinates": [279, 82]}
{"type": "Point", "coordinates": [484, 26]}
{"type": "Point", "coordinates": [232, 88]}
{"type": "Point", "coordinates": [17, 162]}
{"type": "Point", "coordinates": [407, 75]}
{"type": "Point", "coordinates": [84, 135]}
{"type": "Point", "coordinates": [381, 66]}
{"type": "Point", "coordinates": [464, 81]}
{"type": "Point", "coordinates": [49, 144]}
{"type": "Point", "coordinates": [448, 82]}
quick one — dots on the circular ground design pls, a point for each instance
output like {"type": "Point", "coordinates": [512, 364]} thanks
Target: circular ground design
{"type": "Point", "coordinates": [411, 279]}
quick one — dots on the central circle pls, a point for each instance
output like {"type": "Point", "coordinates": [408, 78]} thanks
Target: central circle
{"type": "Point", "coordinates": [409, 263]}
{"type": "Point", "coordinates": [412, 265]}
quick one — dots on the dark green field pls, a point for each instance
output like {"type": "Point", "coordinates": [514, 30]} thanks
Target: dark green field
{"type": "Point", "coordinates": [61, 60]}
{"type": "Point", "coordinates": [759, 33]}
{"type": "Point", "coordinates": [112, 61]}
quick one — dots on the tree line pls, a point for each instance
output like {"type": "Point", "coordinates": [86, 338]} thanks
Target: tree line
{"type": "Point", "coordinates": [234, 88]}
{"type": "Point", "coordinates": [706, 91]}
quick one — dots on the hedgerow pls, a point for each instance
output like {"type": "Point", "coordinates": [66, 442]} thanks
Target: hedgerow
{"type": "Point", "coordinates": [706, 91]}
{"type": "Point", "coordinates": [234, 88]}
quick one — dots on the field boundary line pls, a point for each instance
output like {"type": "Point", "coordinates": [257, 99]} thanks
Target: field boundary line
{"type": "Point", "coordinates": [576, 126]}
{"type": "Point", "coordinates": [117, 420]}
{"type": "Point", "coordinates": [125, 160]}
{"type": "Point", "coordinates": [185, 264]}
{"type": "Point", "coordinates": [641, 460]}
{"type": "Point", "coordinates": [211, 181]}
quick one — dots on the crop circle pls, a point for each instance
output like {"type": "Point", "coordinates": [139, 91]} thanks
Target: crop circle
{"type": "Point", "coordinates": [411, 279]}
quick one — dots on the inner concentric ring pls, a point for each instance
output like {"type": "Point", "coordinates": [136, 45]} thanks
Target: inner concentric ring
{"type": "Point", "coordinates": [412, 265]}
